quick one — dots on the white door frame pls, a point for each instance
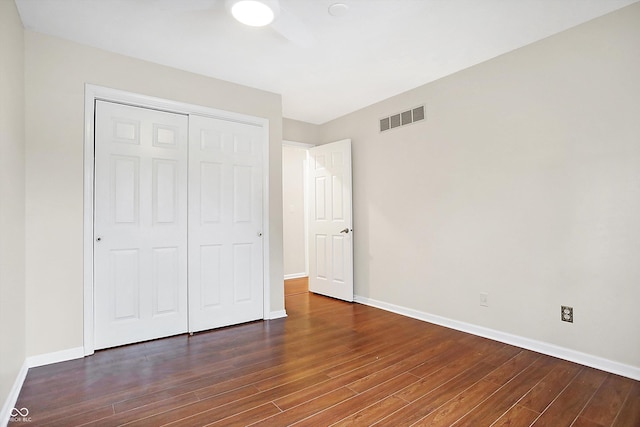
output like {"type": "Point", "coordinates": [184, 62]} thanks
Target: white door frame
{"type": "Point", "coordinates": [306, 147]}
{"type": "Point", "coordinates": [93, 92]}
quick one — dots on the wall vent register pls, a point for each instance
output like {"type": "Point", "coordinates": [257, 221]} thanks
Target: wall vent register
{"type": "Point", "coordinates": [402, 119]}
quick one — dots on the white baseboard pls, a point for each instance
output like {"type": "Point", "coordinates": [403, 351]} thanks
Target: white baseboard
{"type": "Point", "coordinates": [55, 357]}
{"type": "Point", "coordinates": [277, 315]}
{"type": "Point", "coordinates": [32, 362]}
{"type": "Point", "coordinates": [603, 364]}
{"type": "Point", "coordinates": [295, 276]}
{"type": "Point", "coordinates": [11, 400]}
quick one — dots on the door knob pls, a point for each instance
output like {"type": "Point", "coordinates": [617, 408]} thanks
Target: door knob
{"type": "Point", "coordinates": [98, 239]}
{"type": "Point", "coordinates": [345, 231]}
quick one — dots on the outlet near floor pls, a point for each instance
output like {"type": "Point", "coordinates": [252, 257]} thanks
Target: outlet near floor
{"type": "Point", "coordinates": [484, 299]}
{"type": "Point", "coordinates": [566, 313]}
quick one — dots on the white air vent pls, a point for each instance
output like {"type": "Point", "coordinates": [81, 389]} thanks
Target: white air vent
{"type": "Point", "coordinates": [402, 119]}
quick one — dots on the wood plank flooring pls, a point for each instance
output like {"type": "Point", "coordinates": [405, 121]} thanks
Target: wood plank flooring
{"type": "Point", "coordinates": [328, 363]}
{"type": "Point", "coordinates": [296, 286]}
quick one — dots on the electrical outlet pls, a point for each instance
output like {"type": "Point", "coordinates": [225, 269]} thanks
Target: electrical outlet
{"type": "Point", "coordinates": [566, 313]}
{"type": "Point", "coordinates": [484, 299]}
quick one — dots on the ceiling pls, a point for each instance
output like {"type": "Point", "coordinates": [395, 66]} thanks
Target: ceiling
{"type": "Point", "coordinates": [324, 66]}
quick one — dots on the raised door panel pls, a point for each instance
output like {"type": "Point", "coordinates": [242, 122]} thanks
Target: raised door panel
{"type": "Point", "coordinates": [320, 257]}
{"type": "Point", "coordinates": [319, 207]}
{"type": "Point", "coordinates": [210, 193]}
{"type": "Point", "coordinates": [210, 276]}
{"type": "Point", "coordinates": [337, 198]}
{"type": "Point", "coordinates": [124, 189]}
{"type": "Point", "coordinates": [242, 272]}
{"type": "Point", "coordinates": [124, 284]}
{"type": "Point", "coordinates": [166, 281]}
{"type": "Point", "coordinates": [338, 258]}
{"type": "Point", "coordinates": [165, 191]}
{"type": "Point", "coordinates": [242, 194]}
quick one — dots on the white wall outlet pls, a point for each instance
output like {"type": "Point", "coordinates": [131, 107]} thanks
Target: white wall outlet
{"type": "Point", "coordinates": [484, 299]}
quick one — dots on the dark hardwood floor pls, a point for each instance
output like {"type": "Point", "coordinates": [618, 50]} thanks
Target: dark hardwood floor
{"type": "Point", "coordinates": [328, 363]}
{"type": "Point", "coordinates": [296, 286]}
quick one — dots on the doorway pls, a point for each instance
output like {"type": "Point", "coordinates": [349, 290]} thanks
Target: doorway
{"type": "Point", "coordinates": [317, 219]}
{"type": "Point", "coordinates": [295, 209]}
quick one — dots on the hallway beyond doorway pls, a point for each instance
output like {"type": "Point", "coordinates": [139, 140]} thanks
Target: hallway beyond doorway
{"type": "Point", "coordinates": [299, 285]}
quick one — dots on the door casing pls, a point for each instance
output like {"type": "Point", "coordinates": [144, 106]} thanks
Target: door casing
{"type": "Point", "coordinates": [93, 93]}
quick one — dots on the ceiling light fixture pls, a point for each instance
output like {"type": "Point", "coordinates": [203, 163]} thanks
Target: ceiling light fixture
{"type": "Point", "coordinates": [338, 9]}
{"type": "Point", "coordinates": [255, 13]}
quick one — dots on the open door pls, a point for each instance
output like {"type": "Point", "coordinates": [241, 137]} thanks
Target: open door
{"type": "Point", "coordinates": [330, 220]}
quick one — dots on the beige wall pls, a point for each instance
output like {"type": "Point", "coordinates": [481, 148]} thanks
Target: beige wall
{"type": "Point", "coordinates": [56, 71]}
{"type": "Point", "coordinates": [295, 130]}
{"type": "Point", "coordinates": [523, 182]}
{"type": "Point", "coordinates": [293, 195]}
{"type": "Point", "coordinates": [12, 169]}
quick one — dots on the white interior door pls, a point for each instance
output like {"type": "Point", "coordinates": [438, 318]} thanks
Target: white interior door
{"type": "Point", "coordinates": [330, 220]}
{"type": "Point", "coordinates": [140, 224]}
{"type": "Point", "coordinates": [225, 223]}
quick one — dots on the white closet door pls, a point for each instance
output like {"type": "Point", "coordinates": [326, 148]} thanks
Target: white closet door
{"type": "Point", "coordinates": [140, 242]}
{"type": "Point", "coordinates": [225, 223]}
